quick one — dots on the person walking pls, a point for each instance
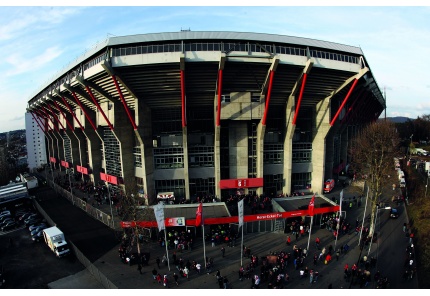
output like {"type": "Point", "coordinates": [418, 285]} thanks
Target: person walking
{"type": "Point", "coordinates": [165, 281]}
{"type": "Point", "coordinates": [223, 251]}
{"type": "Point", "coordinates": [154, 274]}
{"type": "Point", "coordinates": [337, 254]}
{"type": "Point", "coordinates": [225, 282]}
{"type": "Point", "coordinates": [186, 272]}
{"type": "Point", "coordinates": [317, 243]}
{"type": "Point", "coordinates": [311, 277]}
{"type": "Point", "coordinates": [175, 277]}
{"type": "Point", "coordinates": [139, 267]}
{"type": "Point", "coordinates": [288, 240]}
{"type": "Point", "coordinates": [158, 262]}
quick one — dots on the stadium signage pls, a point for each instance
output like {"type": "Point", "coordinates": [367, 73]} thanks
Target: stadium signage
{"type": "Point", "coordinates": [234, 219]}
{"type": "Point", "coordinates": [241, 183]}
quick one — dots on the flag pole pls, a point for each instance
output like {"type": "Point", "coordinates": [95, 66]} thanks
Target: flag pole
{"type": "Point", "coordinates": [165, 243]}
{"type": "Point", "coordinates": [241, 250]}
{"type": "Point", "coordinates": [364, 215]}
{"type": "Point", "coordinates": [310, 231]}
{"type": "Point", "coordinates": [311, 213]}
{"type": "Point", "coordinates": [204, 247]}
{"type": "Point", "coordinates": [340, 214]}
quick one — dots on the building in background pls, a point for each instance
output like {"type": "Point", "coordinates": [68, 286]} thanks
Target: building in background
{"type": "Point", "coordinates": [208, 113]}
{"type": "Point", "coordinates": [36, 144]}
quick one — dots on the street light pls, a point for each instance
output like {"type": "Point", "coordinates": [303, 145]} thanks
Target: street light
{"type": "Point", "coordinates": [376, 220]}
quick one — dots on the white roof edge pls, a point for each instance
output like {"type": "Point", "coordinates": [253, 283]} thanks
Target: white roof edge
{"type": "Point", "coordinates": [222, 35]}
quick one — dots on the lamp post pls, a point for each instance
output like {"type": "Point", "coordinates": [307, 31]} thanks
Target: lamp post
{"type": "Point", "coordinates": [376, 221]}
{"type": "Point", "coordinates": [69, 172]}
{"type": "Point", "coordinates": [110, 202]}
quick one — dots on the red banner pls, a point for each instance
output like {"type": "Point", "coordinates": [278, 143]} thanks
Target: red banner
{"type": "Point", "coordinates": [199, 215]}
{"type": "Point", "coordinates": [241, 183]}
{"type": "Point", "coordinates": [82, 170]}
{"type": "Point", "coordinates": [109, 178]}
{"type": "Point", "coordinates": [235, 219]}
{"type": "Point", "coordinates": [53, 159]}
{"type": "Point", "coordinates": [65, 164]}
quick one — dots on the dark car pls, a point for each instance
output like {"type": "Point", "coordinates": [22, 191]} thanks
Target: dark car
{"type": "Point", "coordinates": [33, 227]}
{"type": "Point", "coordinates": [25, 216]}
{"type": "Point", "coordinates": [37, 230]}
{"type": "Point", "coordinates": [33, 221]}
{"type": "Point", "coordinates": [2, 218]}
{"type": "Point", "coordinates": [394, 213]}
{"type": "Point", "coordinates": [5, 221]}
{"type": "Point", "coordinates": [34, 216]}
{"type": "Point", "coordinates": [8, 226]}
{"type": "Point", "coordinates": [38, 236]}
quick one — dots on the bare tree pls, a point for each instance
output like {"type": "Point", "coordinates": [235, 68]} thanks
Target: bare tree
{"type": "Point", "coordinates": [372, 152]}
{"type": "Point", "coordinates": [133, 210]}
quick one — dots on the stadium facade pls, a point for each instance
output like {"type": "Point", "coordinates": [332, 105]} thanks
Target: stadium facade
{"type": "Point", "coordinates": [208, 113]}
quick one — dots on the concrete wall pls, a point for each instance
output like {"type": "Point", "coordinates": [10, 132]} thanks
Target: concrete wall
{"type": "Point", "coordinates": [319, 149]}
{"type": "Point", "coordinates": [240, 107]}
{"type": "Point", "coordinates": [238, 148]}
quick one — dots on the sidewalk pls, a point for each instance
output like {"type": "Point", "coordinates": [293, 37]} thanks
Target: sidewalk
{"type": "Point", "coordinates": [124, 276]}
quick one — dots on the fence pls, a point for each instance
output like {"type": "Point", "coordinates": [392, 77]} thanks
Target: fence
{"type": "Point", "coordinates": [83, 205]}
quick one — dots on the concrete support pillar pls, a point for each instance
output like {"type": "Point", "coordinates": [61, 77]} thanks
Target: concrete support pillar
{"type": "Point", "coordinates": [217, 160]}
{"type": "Point", "coordinates": [186, 171]}
{"type": "Point", "coordinates": [144, 137]}
{"type": "Point", "coordinates": [125, 135]}
{"type": "Point", "coordinates": [288, 144]}
{"type": "Point", "coordinates": [50, 145]}
{"type": "Point", "coordinates": [261, 131]}
{"type": "Point", "coordinates": [58, 139]}
{"type": "Point", "coordinates": [95, 154]}
{"type": "Point", "coordinates": [238, 146]}
{"type": "Point", "coordinates": [319, 149]}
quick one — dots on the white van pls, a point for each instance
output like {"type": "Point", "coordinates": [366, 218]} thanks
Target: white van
{"type": "Point", "coordinates": [402, 182]}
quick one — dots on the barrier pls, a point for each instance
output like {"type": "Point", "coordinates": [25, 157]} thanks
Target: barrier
{"type": "Point", "coordinates": [86, 207]}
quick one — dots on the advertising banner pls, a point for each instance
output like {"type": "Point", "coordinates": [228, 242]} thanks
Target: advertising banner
{"type": "Point", "coordinates": [159, 216]}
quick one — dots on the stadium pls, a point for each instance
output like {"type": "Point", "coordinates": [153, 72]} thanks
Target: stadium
{"type": "Point", "coordinates": [189, 114]}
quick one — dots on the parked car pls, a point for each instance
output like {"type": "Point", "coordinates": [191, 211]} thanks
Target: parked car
{"type": "Point", "coordinates": [2, 218]}
{"type": "Point", "coordinates": [38, 236]}
{"type": "Point", "coordinates": [25, 216]}
{"type": "Point", "coordinates": [4, 215]}
{"type": "Point", "coordinates": [5, 221]}
{"type": "Point", "coordinates": [33, 221]}
{"type": "Point", "coordinates": [31, 217]}
{"type": "Point", "coordinates": [33, 227]}
{"type": "Point", "coordinates": [21, 212]}
{"type": "Point", "coordinates": [394, 213]}
{"type": "Point", "coordinates": [4, 212]}
{"type": "Point", "coordinates": [37, 230]}
{"type": "Point", "coordinates": [8, 226]}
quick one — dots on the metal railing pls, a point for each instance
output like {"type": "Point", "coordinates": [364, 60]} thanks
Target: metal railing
{"type": "Point", "coordinates": [103, 217]}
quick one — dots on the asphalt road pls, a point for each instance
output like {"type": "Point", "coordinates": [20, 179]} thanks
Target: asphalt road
{"type": "Point", "coordinates": [32, 265]}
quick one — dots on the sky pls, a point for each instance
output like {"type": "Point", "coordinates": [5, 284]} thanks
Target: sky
{"type": "Point", "coordinates": [38, 42]}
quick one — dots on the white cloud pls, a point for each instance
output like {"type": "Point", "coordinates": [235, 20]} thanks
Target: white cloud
{"type": "Point", "coordinates": [22, 65]}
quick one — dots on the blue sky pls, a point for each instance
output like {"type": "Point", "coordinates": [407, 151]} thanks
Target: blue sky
{"type": "Point", "coordinates": [37, 42]}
